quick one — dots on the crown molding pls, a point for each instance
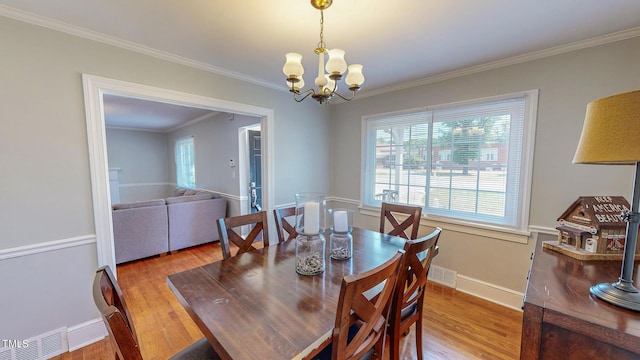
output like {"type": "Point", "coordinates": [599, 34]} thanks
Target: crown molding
{"type": "Point", "coordinates": [128, 45]}
{"type": "Point", "coordinates": [583, 44]}
{"type": "Point", "coordinates": [38, 20]}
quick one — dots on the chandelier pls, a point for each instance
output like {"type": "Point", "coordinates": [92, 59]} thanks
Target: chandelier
{"type": "Point", "coordinates": [327, 83]}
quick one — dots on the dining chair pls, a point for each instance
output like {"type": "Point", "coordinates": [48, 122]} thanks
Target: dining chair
{"type": "Point", "coordinates": [361, 320]}
{"type": "Point", "coordinates": [388, 214]}
{"type": "Point", "coordinates": [286, 229]}
{"type": "Point", "coordinates": [226, 228]}
{"type": "Point", "coordinates": [408, 298]}
{"type": "Point", "coordinates": [115, 314]}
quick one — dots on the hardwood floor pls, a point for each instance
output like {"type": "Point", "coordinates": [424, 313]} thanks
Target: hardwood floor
{"type": "Point", "coordinates": [456, 325]}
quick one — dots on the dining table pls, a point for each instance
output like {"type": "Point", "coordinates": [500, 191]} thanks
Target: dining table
{"type": "Point", "coordinates": [256, 306]}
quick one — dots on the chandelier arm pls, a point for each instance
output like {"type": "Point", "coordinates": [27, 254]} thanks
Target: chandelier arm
{"type": "Point", "coordinates": [308, 92]}
{"type": "Point", "coordinates": [353, 94]}
{"type": "Point", "coordinates": [335, 86]}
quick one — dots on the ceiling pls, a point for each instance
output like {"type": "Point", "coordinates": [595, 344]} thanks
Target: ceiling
{"type": "Point", "coordinates": [138, 114]}
{"type": "Point", "coordinates": [400, 43]}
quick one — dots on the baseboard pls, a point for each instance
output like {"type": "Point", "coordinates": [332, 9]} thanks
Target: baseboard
{"type": "Point", "coordinates": [491, 292]}
{"type": "Point", "coordinates": [86, 334]}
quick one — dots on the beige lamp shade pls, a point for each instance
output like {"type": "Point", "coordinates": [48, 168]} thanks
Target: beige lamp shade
{"type": "Point", "coordinates": [611, 131]}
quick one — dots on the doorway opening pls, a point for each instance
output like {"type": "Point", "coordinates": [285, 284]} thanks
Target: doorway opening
{"type": "Point", "coordinates": [94, 89]}
{"type": "Point", "coordinates": [250, 164]}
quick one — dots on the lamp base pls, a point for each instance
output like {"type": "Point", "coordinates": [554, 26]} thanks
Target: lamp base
{"type": "Point", "coordinates": [613, 293]}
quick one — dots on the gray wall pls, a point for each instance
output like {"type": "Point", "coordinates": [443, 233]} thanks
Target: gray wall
{"type": "Point", "coordinates": [146, 161]}
{"type": "Point", "coordinates": [142, 159]}
{"type": "Point", "coordinates": [567, 82]}
{"type": "Point", "coordinates": [45, 198]}
{"type": "Point", "coordinates": [215, 141]}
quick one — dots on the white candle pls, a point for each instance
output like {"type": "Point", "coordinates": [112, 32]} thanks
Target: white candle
{"type": "Point", "coordinates": [340, 221]}
{"type": "Point", "coordinates": [311, 218]}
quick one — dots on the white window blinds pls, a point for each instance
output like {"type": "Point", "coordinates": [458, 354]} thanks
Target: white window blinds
{"type": "Point", "coordinates": [462, 161]}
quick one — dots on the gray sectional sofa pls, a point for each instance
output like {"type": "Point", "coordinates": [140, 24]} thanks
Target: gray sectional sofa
{"type": "Point", "coordinates": [147, 228]}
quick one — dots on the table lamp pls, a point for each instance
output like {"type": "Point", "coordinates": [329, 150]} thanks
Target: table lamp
{"type": "Point", "coordinates": [611, 135]}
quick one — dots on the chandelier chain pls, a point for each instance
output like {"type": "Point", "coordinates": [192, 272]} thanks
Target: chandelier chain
{"type": "Point", "coordinates": [321, 44]}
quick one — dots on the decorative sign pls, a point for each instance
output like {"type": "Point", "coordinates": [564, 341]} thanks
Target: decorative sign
{"type": "Point", "coordinates": [594, 224]}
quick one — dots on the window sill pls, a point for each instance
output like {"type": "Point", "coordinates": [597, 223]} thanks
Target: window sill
{"type": "Point", "coordinates": [466, 227]}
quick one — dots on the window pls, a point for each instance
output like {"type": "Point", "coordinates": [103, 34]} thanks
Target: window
{"type": "Point", "coordinates": [467, 161]}
{"type": "Point", "coordinates": [185, 163]}
{"type": "Point", "coordinates": [489, 154]}
{"type": "Point", "coordinates": [444, 154]}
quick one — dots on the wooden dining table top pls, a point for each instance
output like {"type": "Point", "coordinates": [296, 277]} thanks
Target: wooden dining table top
{"type": "Point", "coordinates": [256, 306]}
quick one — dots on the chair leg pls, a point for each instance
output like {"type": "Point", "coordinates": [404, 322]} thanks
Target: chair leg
{"type": "Point", "coordinates": [394, 345]}
{"type": "Point", "coordinates": [419, 337]}
{"type": "Point", "coordinates": [379, 347]}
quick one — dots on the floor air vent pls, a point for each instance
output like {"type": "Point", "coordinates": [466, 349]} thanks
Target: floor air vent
{"type": "Point", "coordinates": [442, 276]}
{"type": "Point", "coordinates": [40, 347]}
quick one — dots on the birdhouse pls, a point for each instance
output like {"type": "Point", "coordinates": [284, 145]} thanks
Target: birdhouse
{"type": "Point", "coordinates": [594, 224]}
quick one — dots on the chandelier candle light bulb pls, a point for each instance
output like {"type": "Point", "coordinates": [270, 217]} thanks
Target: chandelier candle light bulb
{"type": "Point", "coordinates": [336, 63]}
{"type": "Point", "coordinates": [293, 67]}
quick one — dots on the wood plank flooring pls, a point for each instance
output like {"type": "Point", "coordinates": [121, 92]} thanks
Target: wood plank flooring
{"type": "Point", "coordinates": [456, 325]}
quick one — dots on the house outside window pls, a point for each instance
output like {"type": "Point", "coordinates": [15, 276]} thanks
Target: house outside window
{"type": "Point", "coordinates": [444, 155]}
{"type": "Point", "coordinates": [185, 163]}
{"type": "Point", "coordinates": [468, 161]}
{"type": "Point", "coordinates": [489, 154]}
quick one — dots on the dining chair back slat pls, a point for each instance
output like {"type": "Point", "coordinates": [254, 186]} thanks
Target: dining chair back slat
{"type": "Point", "coordinates": [115, 314]}
{"type": "Point", "coordinates": [286, 229]}
{"type": "Point", "coordinates": [360, 325]}
{"type": "Point", "coordinates": [388, 213]}
{"type": "Point", "coordinates": [110, 302]}
{"type": "Point", "coordinates": [408, 299]}
{"type": "Point", "coordinates": [226, 229]}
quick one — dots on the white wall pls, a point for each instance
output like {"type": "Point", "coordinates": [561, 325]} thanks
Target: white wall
{"type": "Point", "coordinates": [142, 160]}
{"type": "Point", "coordinates": [567, 82]}
{"type": "Point", "coordinates": [45, 197]}
{"type": "Point", "coordinates": [215, 141]}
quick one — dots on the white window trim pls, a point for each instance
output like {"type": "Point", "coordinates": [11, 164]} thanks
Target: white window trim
{"type": "Point", "coordinates": [521, 233]}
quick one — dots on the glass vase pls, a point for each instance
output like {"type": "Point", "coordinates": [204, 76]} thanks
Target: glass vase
{"type": "Point", "coordinates": [310, 226]}
{"type": "Point", "coordinates": [341, 240]}
{"type": "Point", "coordinates": [310, 254]}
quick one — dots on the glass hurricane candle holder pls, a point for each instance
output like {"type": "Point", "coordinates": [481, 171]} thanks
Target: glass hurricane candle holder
{"type": "Point", "coordinates": [310, 226]}
{"type": "Point", "coordinates": [311, 211]}
{"type": "Point", "coordinates": [341, 240]}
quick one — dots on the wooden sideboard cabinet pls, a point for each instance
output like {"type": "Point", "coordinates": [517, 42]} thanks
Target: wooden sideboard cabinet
{"type": "Point", "coordinates": [562, 320]}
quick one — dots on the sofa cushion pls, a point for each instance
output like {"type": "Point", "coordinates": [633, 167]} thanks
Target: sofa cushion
{"type": "Point", "coordinates": [137, 204]}
{"type": "Point", "coordinates": [179, 191]}
{"type": "Point", "coordinates": [140, 232]}
{"type": "Point", "coordinates": [189, 192]}
{"type": "Point", "coordinates": [180, 199]}
{"type": "Point", "coordinates": [204, 192]}
{"type": "Point", "coordinates": [193, 222]}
